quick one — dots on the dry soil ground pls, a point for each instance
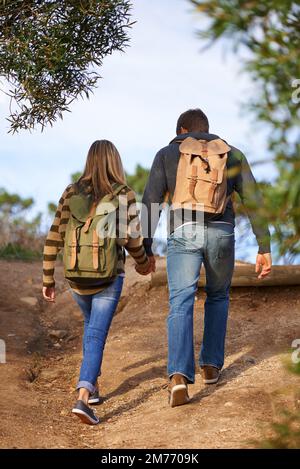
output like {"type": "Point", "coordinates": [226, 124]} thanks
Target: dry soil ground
{"type": "Point", "coordinates": [43, 356]}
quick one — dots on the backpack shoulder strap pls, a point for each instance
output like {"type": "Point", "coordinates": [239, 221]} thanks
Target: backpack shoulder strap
{"type": "Point", "coordinates": [117, 188]}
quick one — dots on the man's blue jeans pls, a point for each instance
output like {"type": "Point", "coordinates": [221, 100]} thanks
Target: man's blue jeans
{"type": "Point", "coordinates": [98, 311]}
{"type": "Point", "coordinates": [212, 244]}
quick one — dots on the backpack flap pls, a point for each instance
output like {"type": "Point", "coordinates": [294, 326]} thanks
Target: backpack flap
{"type": "Point", "coordinates": [210, 171]}
{"type": "Point", "coordinates": [107, 205]}
{"type": "Point", "coordinates": [193, 146]}
{"type": "Point", "coordinates": [80, 207]}
{"type": "Point", "coordinates": [110, 202]}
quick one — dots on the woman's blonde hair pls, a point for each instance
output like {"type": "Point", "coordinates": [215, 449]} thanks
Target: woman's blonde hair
{"type": "Point", "coordinates": [103, 168]}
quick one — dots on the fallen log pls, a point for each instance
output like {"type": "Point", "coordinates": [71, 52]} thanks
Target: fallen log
{"type": "Point", "coordinates": [244, 276]}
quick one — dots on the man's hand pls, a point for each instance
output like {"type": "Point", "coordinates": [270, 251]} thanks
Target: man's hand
{"type": "Point", "coordinates": [263, 264]}
{"type": "Point", "coordinates": [142, 270]}
{"type": "Point", "coordinates": [150, 267]}
{"type": "Point", "coordinates": [49, 294]}
{"type": "Point", "coordinates": [152, 263]}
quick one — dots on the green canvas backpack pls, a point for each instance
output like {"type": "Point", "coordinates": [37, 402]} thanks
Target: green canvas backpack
{"type": "Point", "coordinates": [90, 245]}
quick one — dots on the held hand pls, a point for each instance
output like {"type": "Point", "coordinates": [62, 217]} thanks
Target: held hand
{"type": "Point", "coordinates": [49, 294]}
{"type": "Point", "coordinates": [152, 263]}
{"type": "Point", "coordinates": [142, 270]}
{"type": "Point", "coordinates": [150, 267]}
{"type": "Point", "coordinates": [263, 264]}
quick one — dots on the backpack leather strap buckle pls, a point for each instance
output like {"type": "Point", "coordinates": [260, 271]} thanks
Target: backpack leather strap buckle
{"type": "Point", "coordinates": [193, 180]}
{"type": "Point", "coordinates": [214, 183]}
{"type": "Point", "coordinates": [73, 250]}
{"type": "Point", "coordinates": [87, 224]}
{"type": "Point", "coordinates": [95, 249]}
{"type": "Point", "coordinates": [89, 218]}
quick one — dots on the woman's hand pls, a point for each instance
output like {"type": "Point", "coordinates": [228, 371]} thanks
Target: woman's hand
{"type": "Point", "coordinates": [145, 270]}
{"type": "Point", "coordinates": [49, 294]}
{"type": "Point", "coordinates": [263, 264]}
{"type": "Point", "coordinates": [142, 270]}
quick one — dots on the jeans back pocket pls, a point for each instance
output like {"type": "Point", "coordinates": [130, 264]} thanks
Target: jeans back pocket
{"type": "Point", "coordinates": [225, 245]}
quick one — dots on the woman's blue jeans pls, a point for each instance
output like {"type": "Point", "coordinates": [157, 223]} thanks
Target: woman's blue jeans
{"type": "Point", "coordinates": [212, 244]}
{"type": "Point", "coordinates": [98, 311]}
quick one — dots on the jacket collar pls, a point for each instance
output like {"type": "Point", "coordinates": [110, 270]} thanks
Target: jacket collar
{"type": "Point", "coordinates": [196, 135]}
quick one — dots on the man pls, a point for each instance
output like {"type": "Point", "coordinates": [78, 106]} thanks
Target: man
{"type": "Point", "coordinates": [199, 166]}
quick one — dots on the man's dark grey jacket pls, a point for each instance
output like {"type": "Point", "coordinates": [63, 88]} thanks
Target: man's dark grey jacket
{"type": "Point", "coordinates": [162, 181]}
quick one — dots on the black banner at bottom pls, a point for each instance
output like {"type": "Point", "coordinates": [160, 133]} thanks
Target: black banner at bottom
{"type": "Point", "coordinates": [152, 457]}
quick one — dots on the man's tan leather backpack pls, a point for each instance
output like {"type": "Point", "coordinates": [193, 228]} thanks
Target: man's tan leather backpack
{"type": "Point", "coordinates": [201, 180]}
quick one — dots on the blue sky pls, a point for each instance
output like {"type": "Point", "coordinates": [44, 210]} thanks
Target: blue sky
{"type": "Point", "coordinates": [136, 105]}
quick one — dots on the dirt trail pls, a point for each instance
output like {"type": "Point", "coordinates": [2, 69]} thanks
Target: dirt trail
{"type": "Point", "coordinates": [37, 382]}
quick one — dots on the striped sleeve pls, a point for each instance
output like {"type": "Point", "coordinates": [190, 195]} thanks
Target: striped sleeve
{"type": "Point", "coordinates": [129, 228]}
{"type": "Point", "coordinates": [55, 238]}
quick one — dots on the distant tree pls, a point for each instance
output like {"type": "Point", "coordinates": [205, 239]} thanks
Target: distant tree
{"type": "Point", "coordinates": [13, 204]}
{"type": "Point", "coordinates": [76, 176]}
{"type": "Point", "coordinates": [19, 236]}
{"type": "Point", "coordinates": [137, 181]}
{"type": "Point", "coordinates": [52, 206]}
{"type": "Point", "coordinates": [269, 32]}
{"type": "Point", "coordinates": [51, 51]}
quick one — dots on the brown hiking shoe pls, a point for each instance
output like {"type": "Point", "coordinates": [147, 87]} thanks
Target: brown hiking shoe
{"type": "Point", "coordinates": [210, 374]}
{"type": "Point", "coordinates": [178, 390]}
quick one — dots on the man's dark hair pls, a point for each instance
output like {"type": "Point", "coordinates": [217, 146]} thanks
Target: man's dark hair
{"type": "Point", "coordinates": [193, 120]}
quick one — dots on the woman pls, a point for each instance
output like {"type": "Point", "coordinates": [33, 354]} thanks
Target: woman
{"type": "Point", "coordinates": [98, 300]}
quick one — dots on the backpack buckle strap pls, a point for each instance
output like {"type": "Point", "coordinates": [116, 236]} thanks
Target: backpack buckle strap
{"type": "Point", "coordinates": [204, 151]}
{"type": "Point", "coordinates": [95, 250]}
{"type": "Point", "coordinates": [204, 157]}
{"type": "Point", "coordinates": [73, 250]}
{"type": "Point", "coordinates": [87, 224]}
{"type": "Point", "coordinates": [193, 180]}
{"type": "Point", "coordinates": [214, 183]}
{"type": "Point", "coordinates": [89, 218]}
